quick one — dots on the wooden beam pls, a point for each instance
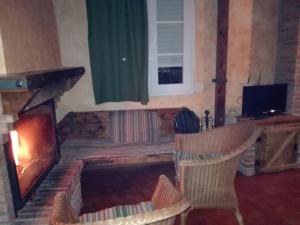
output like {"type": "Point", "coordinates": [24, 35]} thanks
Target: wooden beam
{"type": "Point", "coordinates": [221, 64]}
{"type": "Point", "coordinates": [17, 101]}
{"type": "Point", "coordinates": [51, 91]}
{"type": "Point", "coordinates": [14, 101]}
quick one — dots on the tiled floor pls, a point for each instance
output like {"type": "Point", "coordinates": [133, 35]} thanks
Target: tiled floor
{"type": "Point", "coordinates": [269, 199]}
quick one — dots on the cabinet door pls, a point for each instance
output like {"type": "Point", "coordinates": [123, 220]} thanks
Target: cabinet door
{"type": "Point", "coordinates": [277, 148]}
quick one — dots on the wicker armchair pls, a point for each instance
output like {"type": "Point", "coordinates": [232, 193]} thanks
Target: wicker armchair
{"type": "Point", "coordinates": [167, 202]}
{"type": "Point", "coordinates": [210, 183]}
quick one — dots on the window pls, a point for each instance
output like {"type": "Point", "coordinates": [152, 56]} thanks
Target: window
{"type": "Point", "coordinates": [171, 46]}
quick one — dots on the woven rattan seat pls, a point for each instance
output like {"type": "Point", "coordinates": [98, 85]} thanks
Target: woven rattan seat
{"type": "Point", "coordinates": [210, 183]}
{"type": "Point", "coordinates": [166, 201]}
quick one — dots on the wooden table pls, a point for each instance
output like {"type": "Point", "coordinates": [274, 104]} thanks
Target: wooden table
{"type": "Point", "coordinates": [277, 147]}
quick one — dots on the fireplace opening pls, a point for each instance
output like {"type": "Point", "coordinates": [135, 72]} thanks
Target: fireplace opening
{"type": "Point", "coordinates": [31, 151]}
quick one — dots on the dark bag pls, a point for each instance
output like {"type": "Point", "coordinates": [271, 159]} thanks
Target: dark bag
{"type": "Point", "coordinates": [186, 121]}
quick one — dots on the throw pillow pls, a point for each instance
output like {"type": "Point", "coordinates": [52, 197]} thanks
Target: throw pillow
{"type": "Point", "coordinates": [135, 126]}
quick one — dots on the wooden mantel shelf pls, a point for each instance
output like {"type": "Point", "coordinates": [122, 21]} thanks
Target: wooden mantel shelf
{"type": "Point", "coordinates": [23, 91]}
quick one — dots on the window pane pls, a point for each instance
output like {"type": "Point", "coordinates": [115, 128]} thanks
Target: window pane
{"type": "Point", "coordinates": [170, 60]}
{"type": "Point", "coordinates": [170, 38]}
{"type": "Point", "coordinates": [169, 75]}
{"type": "Point", "coordinates": [169, 10]}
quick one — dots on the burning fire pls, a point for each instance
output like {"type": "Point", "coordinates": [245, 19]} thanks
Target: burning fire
{"type": "Point", "coordinates": [20, 150]}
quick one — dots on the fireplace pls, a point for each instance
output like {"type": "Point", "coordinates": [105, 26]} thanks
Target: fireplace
{"type": "Point", "coordinates": [31, 151]}
{"type": "Point", "coordinates": [28, 140]}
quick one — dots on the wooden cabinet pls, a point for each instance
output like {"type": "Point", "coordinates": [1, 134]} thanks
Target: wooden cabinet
{"type": "Point", "coordinates": [277, 147]}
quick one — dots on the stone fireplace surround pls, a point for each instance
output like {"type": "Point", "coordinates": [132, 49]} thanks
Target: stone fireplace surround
{"type": "Point", "coordinates": [51, 85]}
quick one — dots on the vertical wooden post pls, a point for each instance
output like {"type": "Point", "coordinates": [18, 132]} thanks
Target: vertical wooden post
{"type": "Point", "coordinates": [221, 64]}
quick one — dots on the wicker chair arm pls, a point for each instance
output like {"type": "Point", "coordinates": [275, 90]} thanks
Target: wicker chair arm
{"type": "Point", "coordinates": [165, 194]}
{"type": "Point", "coordinates": [144, 218]}
{"type": "Point", "coordinates": [222, 140]}
{"type": "Point", "coordinates": [200, 163]}
{"type": "Point", "coordinates": [206, 164]}
{"type": "Point", "coordinates": [218, 160]}
{"type": "Point", "coordinates": [229, 146]}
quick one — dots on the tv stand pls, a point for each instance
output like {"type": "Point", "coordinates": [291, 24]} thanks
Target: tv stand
{"type": "Point", "coordinates": [277, 147]}
{"type": "Point", "coordinates": [261, 117]}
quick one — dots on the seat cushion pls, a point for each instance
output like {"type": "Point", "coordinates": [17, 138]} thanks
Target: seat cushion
{"type": "Point", "coordinates": [182, 155]}
{"type": "Point", "coordinates": [135, 126]}
{"type": "Point", "coordinates": [117, 211]}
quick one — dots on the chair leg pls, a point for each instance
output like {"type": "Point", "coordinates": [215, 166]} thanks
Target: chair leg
{"type": "Point", "coordinates": [238, 216]}
{"type": "Point", "coordinates": [183, 217]}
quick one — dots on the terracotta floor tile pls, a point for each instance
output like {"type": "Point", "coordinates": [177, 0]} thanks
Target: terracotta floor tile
{"type": "Point", "coordinates": [268, 199]}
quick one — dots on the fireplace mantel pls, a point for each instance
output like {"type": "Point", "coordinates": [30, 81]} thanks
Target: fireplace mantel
{"type": "Point", "coordinates": [22, 91]}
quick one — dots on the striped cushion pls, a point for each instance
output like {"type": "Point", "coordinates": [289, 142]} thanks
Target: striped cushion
{"type": "Point", "coordinates": [181, 155]}
{"type": "Point", "coordinates": [117, 211]}
{"type": "Point", "coordinates": [135, 126]}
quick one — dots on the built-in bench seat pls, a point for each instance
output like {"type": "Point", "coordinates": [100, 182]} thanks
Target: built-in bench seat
{"type": "Point", "coordinates": [91, 151]}
{"type": "Point", "coordinates": [131, 136]}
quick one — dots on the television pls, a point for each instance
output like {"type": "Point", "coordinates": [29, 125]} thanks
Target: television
{"type": "Point", "coordinates": [264, 100]}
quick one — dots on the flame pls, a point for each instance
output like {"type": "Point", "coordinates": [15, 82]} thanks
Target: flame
{"type": "Point", "coordinates": [23, 153]}
{"type": "Point", "coordinates": [15, 145]}
{"type": "Point", "coordinates": [19, 148]}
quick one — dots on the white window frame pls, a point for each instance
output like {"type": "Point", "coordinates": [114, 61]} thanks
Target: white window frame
{"type": "Point", "coordinates": [187, 86]}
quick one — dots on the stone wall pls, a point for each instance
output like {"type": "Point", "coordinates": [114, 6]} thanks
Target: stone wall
{"type": "Point", "coordinates": [288, 55]}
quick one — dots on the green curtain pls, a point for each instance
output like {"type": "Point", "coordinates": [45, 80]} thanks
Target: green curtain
{"type": "Point", "coordinates": [118, 44]}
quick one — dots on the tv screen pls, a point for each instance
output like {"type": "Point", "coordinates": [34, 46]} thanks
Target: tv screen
{"type": "Point", "coordinates": [264, 100]}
